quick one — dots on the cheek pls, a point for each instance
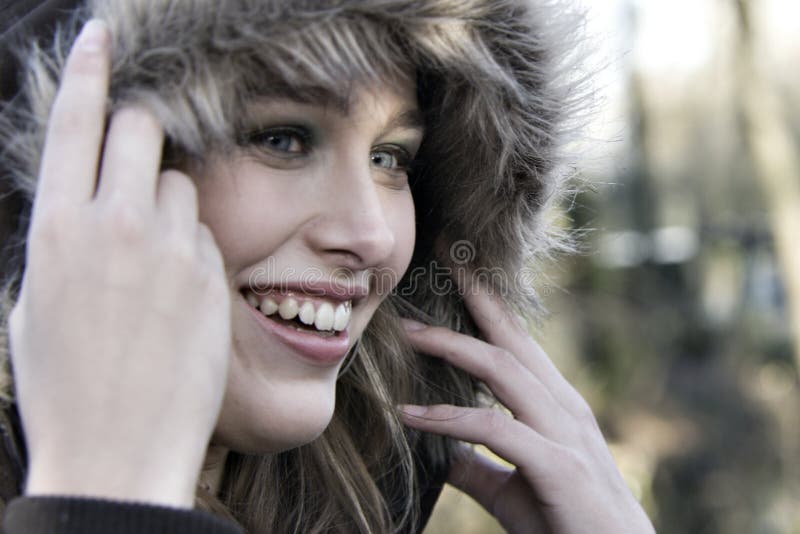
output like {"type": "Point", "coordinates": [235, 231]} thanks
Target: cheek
{"type": "Point", "coordinates": [404, 225]}
{"type": "Point", "coordinates": [246, 228]}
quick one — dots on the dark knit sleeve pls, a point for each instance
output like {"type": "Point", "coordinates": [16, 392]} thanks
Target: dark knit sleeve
{"type": "Point", "coordinates": [68, 515]}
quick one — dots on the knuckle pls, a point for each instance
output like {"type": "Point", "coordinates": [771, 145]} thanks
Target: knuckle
{"type": "Point", "coordinates": [53, 224]}
{"type": "Point", "coordinates": [496, 422]}
{"type": "Point", "coordinates": [181, 254]}
{"type": "Point", "coordinates": [503, 358]}
{"type": "Point", "coordinates": [498, 362]}
{"type": "Point", "coordinates": [125, 222]}
{"type": "Point", "coordinates": [568, 464]}
{"type": "Point", "coordinates": [484, 365]}
{"type": "Point", "coordinates": [180, 182]}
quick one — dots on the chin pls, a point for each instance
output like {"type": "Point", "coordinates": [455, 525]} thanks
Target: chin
{"type": "Point", "coordinates": [292, 419]}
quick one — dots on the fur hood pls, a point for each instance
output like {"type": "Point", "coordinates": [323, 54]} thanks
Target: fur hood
{"type": "Point", "coordinates": [493, 80]}
{"type": "Point", "coordinates": [496, 90]}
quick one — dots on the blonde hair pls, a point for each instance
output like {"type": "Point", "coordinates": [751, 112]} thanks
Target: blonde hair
{"type": "Point", "coordinates": [491, 85]}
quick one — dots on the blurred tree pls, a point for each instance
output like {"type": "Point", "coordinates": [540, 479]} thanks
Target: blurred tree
{"type": "Point", "coordinates": [774, 156]}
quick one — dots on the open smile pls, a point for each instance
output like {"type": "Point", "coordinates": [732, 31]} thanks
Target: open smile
{"type": "Point", "coordinates": [313, 326]}
{"type": "Point", "coordinates": [304, 312]}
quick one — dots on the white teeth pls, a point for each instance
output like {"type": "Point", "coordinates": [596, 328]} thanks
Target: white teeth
{"type": "Point", "coordinates": [268, 306]}
{"type": "Point", "coordinates": [288, 309]}
{"type": "Point", "coordinates": [324, 318]}
{"type": "Point", "coordinates": [342, 316]}
{"type": "Point", "coordinates": [307, 313]}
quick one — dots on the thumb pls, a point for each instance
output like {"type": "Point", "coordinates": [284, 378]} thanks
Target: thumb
{"type": "Point", "coordinates": [501, 491]}
{"type": "Point", "coordinates": [478, 476]}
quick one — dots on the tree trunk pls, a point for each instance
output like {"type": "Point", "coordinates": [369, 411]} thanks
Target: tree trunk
{"type": "Point", "coordinates": [776, 165]}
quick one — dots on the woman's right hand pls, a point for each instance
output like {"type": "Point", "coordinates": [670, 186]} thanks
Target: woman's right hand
{"type": "Point", "coordinates": [121, 334]}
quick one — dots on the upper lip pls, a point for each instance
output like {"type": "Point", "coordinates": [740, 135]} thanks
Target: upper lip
{"type": "Point", "coordinates": [336, 291]}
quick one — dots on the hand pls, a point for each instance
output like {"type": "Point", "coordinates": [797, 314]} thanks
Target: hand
{"type": "Point", "coordinates": [565, 481]}
{"type": "Point", "coordinates": [121, 333]}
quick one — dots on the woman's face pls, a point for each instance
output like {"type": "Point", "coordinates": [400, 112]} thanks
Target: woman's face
{"type": "Point", "coordinates": [314, 217]}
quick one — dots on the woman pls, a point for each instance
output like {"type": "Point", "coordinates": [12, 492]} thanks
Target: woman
{"type": "Point", "coordinates": [228, 195]}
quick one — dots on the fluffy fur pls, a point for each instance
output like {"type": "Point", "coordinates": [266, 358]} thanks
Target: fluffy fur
{"type": "Point", "coordinates": [494, 86]}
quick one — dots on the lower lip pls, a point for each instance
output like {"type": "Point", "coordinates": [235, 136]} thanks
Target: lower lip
{"type": "Point", "coordinates": [319, 350]}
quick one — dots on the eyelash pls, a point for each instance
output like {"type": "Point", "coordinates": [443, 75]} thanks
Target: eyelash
{"type": "Point", "coordinates": [302, 138]}
{"type": "Point", "coordinates": [403, 159]}
{"type": "Point", "coordinates": [264, 139]}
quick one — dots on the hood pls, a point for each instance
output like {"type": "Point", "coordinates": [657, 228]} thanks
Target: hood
{"type": "Point", "coordinates": [493, 80]}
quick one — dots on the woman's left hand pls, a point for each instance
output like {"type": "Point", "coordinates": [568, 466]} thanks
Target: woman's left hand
{"type": "Point", "coordinates": [565, 479]}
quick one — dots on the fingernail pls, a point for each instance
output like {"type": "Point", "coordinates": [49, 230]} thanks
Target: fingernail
{"type": "Point", "coordinates": [413, 326]}
{"type": "Point", "coordinates": [94, 36]}
{"type": "Point", "coordinates": [413, 410]}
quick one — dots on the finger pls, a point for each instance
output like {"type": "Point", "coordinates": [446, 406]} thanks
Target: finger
{"type": "Point", "coordinates": [77, 121]}
{"type": "Point", "coordinates": [483, 480]}
{"type": "Point", "coordinates": [478, 477]}
{"type": "Point", "coordinates": [209, 250]}
{"type": "Point", "coordinates": [501, 327]}
{"type": "Point", "coordinates": [214, 266]}
{"type": "Point", "coordinates": [176, 202]}
{"type": "Point", "coordinates": [510, 439]}
{"type": "Point", "coordinates": [132, 157]}
{"type": "Point", "coordinates": [510, 381]}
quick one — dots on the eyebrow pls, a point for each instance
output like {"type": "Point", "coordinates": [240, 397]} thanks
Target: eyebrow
{"type": "Point", "coordinates": [405, 119]}
{"type": "Point", "coordinates": [409, 118]}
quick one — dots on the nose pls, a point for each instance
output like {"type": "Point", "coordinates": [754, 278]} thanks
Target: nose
{"type": "Point", "coordinates": [354, 229]}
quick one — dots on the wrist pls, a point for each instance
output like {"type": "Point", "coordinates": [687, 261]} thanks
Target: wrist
{"type": "Point", "coordinates": [172, 485]}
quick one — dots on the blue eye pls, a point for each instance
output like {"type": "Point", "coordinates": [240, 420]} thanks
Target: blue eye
{"type": "Point", "coordinates": [283, 141]}
{"type": "Point", "coordinates": [391, 158]}
{"type": "Point", "coordinates": [384, 159]}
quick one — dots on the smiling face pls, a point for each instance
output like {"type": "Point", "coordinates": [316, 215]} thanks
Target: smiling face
{"type": "Point", "coordinates": [314, 217]}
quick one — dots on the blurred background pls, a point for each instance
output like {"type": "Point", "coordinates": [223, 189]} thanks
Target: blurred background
{"type": "Point", "coordinates": [681, 323]}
